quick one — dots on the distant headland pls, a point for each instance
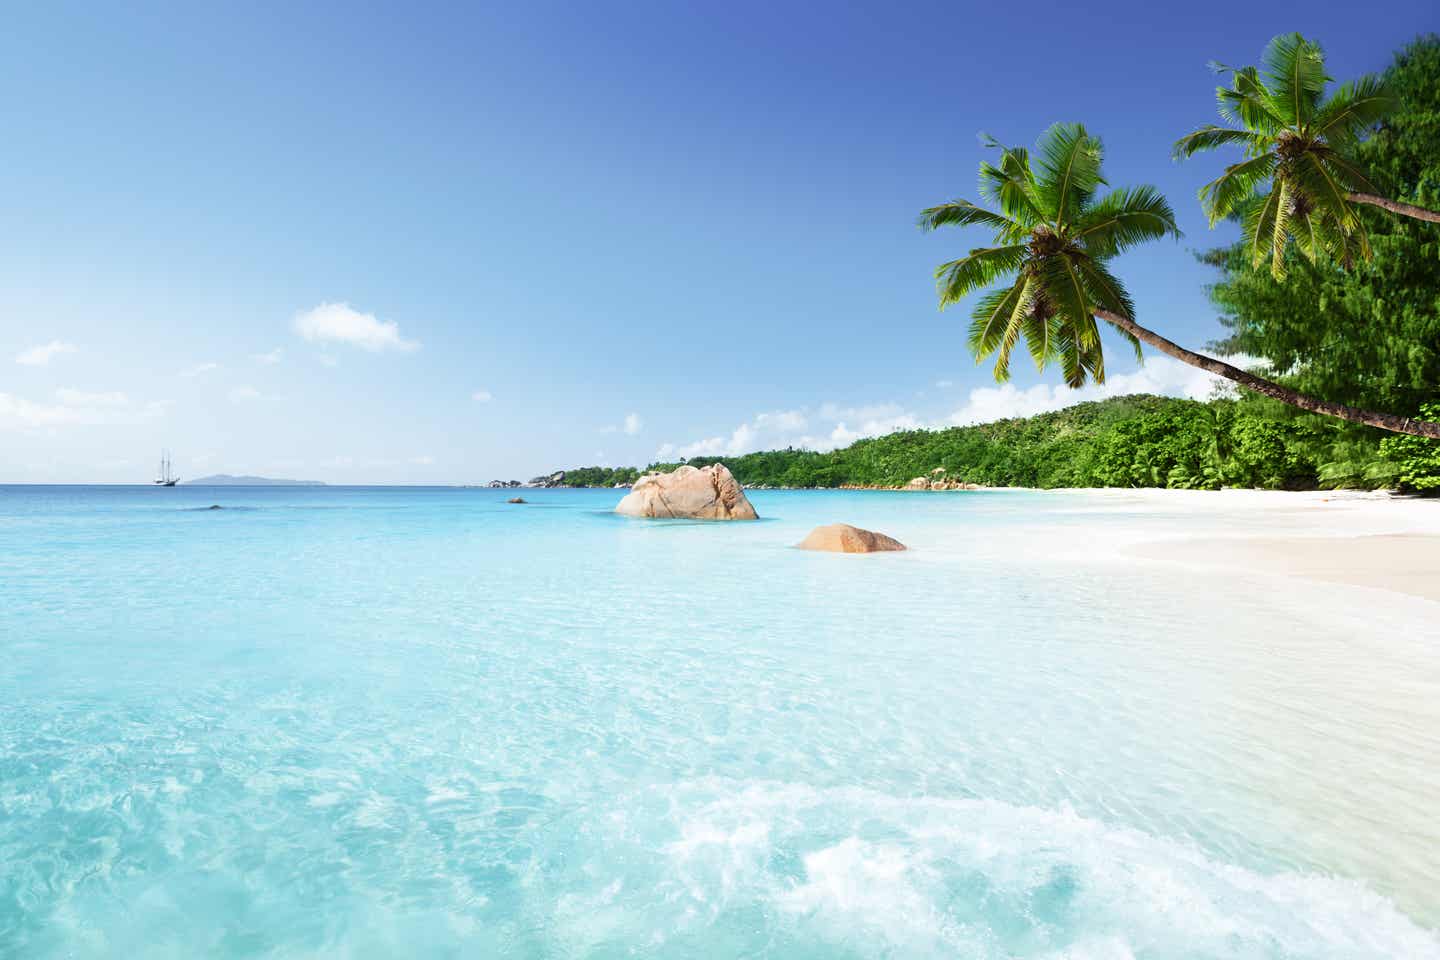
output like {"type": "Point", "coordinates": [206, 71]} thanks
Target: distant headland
{"type": "Point", "coordinates": [227, 480]}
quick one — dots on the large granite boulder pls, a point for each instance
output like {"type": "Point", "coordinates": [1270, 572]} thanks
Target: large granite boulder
{"type": "Point", "coordinates": [843, 538]}
{"type": "Point", "coordinates": [705, 493]}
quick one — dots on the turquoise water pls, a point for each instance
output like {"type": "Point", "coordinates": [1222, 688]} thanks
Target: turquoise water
{"type": "Point", "coordinates": [346, 722]}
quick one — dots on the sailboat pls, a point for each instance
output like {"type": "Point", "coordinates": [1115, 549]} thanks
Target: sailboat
{"type": "Point", "coordinates": [166, 477]}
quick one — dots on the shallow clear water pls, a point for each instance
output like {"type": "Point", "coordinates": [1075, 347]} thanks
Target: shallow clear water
{"type": "Point", "coordinates": [380, 722]}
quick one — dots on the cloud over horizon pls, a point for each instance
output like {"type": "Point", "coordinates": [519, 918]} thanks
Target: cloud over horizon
{"type": "Point", "coordinates": [340, 323]}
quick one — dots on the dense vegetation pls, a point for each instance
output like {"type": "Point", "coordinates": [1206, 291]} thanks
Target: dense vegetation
{"type": "Point", "coordinates": [1370, 335]}
{"type": "Point", "coordinates": [1366, 334]}
{"type": "Point", "coordinates": [1135, 441]}
{"type": "Point", "coordinates": [601, 476]}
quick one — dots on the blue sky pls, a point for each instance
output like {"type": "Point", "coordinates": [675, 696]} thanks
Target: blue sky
{"type": "Point", "coordinates": [440, 243]}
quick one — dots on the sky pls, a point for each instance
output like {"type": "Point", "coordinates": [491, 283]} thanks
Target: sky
{"type": "Point", "coordinates": [431, 243]}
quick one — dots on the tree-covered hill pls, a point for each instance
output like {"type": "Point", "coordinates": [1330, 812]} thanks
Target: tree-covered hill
{"type": "Point", "coordinates": [1134, 441]}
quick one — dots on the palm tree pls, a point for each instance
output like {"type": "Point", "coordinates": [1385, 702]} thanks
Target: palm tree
{"type": "Point", "coordinates": [1296, 140]}
{"type": "Point", "coordinates": [1054, 237]}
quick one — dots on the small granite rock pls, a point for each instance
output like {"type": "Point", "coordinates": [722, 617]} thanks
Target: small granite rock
{"type": "Point", "coordinates": [843, 538]}
{"type": "Point", "coordinates": [516, 500]}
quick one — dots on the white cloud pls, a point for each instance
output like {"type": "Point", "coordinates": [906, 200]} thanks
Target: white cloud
{"type": "Point", "coordinates": [775, 428]}
{"type": "Point", "coordinates": [243, 393]}
{"type": "Point", "coordinates": [482, 396]}
{"type": "Point", "coordinates": [422, 461]}
{"type": "Point", "coordinates": [840, 426]}
{"type": "Point", "coordinates": [273, 357]}
{"type": "Point", "coordinates": [1160, 375]}
{"type": "Point", "coordinates": [340, 323]}
{"type": "Point", "coordinates": [74, 408]}
{"type": "Point", "coordinates": [40, 356]}
{"type": "Point", "coordinates": [784, 420]}
{"type": "Point", "coordinates": [944, 384]}
{"type": "Point", "coordinates": [199, 369]}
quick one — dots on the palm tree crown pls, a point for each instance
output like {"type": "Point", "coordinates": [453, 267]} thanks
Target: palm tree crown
{"type": "Point", "coordinates": [1295, 140]}
{"type": "Point", "coordinates": [1053, 238]}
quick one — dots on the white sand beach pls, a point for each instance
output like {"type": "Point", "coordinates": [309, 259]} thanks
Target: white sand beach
{"type": "Point", "coordinates": [1403, 562]}
{"type": "Point", "coordinates": [1372, 540]}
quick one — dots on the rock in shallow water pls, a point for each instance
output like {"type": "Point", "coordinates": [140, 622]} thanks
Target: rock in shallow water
{"type": "Point", "coordinates": [706, 493]}
{"type": "Point", "coordinates": [843, 538]}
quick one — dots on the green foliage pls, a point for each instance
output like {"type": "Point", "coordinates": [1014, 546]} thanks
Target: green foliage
{"type": "Point", "coordinates": [601, 476]}
{"type": "Point", "coordinates": [1053, 238]}
{"type": "Point", "coordinates": [1369, 336]}
{"type": "Point", "coordinates": [1417, 459]}
{"type": "Point", "coordinates": [1301, 144]}
{"type": "Point", "coordinates": [1135, 441]}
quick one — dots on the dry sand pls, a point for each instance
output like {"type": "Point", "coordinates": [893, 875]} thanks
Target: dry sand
{"type": "Point", "coordinates": [1403, 562]}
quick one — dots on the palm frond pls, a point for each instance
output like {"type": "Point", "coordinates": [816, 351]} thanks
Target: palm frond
{"type": "Point", "coordinates": [1322, 187]}
{"type": "Point", "coordinates": [1022, 307]}
{"type": "Point", "coordinates": [1092, 361]}
{"type": "Point", "coordinates": [1069, 170]}
{"type": "Point", "coordinates": [1211, 137]}
{"type": "Point", "coordinates": [1295, 77]}
{"type": "Point", "coordinates": [1308, 234]}
{"type": "Point", "coordinates": [1246, 102]}
{"type": "Point", "coordinates": [1040, 335]}
{"type": "Point", "coordinates": [1221, 196]}
{"type": "Point", "coordinates": [982, 267]}
{"type": "Point", "coordinates": [1353, 109]}
{"type": "Point", "coordinates": [1123, 218]}
{"type": "Point", "coordinates": [1284, 193]}
{"type": "Point", "coordinates": [1066, 290]}
{"type": "Point", "coordinates": [1349, 173]}
{"type": "Point", "coordinates": [1068, 355]}
{"type": "Point", "coordinates": [1106, 292]}
{"type": "Point", "coordinates": [988, 321]}
{"type": "Point", "coordinates": [1011, 185]}
{"type": "Point", "coordinates": [1258, 226]}
{"type": "Point", "coordinates": [963, 213]}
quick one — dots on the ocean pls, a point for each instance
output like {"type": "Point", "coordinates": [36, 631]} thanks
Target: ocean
{"type": "Point", "coordinates": [379, 722]}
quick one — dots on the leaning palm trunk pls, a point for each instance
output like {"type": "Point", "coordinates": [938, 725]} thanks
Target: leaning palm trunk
{"type": "Point", "coordinates": [1395, 206]}
{"type": "Point", "coordinates": [1385, 421]}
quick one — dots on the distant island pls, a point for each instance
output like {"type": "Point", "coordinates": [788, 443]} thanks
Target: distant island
{"type": "Point", "coordinates": [227, 480]}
